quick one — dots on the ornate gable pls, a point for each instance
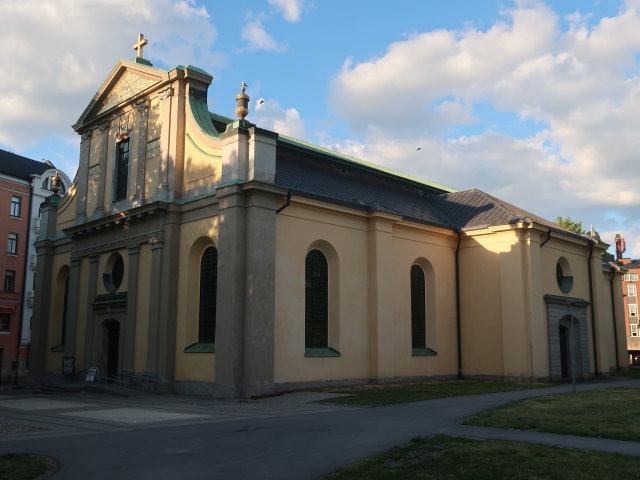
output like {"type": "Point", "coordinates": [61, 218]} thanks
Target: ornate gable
{"type": "Point", "coordinates": [129, 85]}
{"type": "Point", "coordinates": [126, 81]}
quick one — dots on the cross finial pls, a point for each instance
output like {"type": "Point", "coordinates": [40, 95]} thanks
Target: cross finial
{"type": "Point", "coordinates": [139, 44]}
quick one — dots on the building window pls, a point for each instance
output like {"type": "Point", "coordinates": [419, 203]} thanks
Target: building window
{"type": "Point", "coordinates": [15, 206]}
{"type": "Point", "coordinates": [630, 277]}
{"type": "Point", "coordinates": [65, 309]}
{"type": "Point", "coordinates": [208, 295]}
{"type": "Point", "coordinates": [9, 280]}
{"type": "Point", "coordinates": [634, 330]}
{"type": "Point", "coordinates": [12, 244]}
{"type": "Point", "coordinates": [633, 313]}
{"type": "Point", "coordinates": [631, 290]}
{"type": "Point", "coordinates": [112, 278]}
{"type": "Point", "coordinates": [5, 322]}
{"type": "Point", "coordinates": [563, 275]}
{"type": "Point", "coordinates": [418, 308]}
{"type": "Point", "coordinates": [122, 170]}
{"type": "Point", "coordinates": [316, 300]}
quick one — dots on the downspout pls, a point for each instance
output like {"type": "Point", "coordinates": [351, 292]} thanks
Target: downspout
{"type": "Point", "coordinates": [24, 284]}
{"type": "Point", "coordinates": [613, 316]}
{"type": "Point", "coordinates": [546, 239]}
{"type": "Point", "coordinates": [286, 204]}
{"type": "Point", "coordinates": [593, 316]}
{"type": "Point", "coordinates": [458, 320]}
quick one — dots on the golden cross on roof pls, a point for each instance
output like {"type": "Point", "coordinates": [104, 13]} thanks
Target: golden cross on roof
{"type": "Point", "coordinates": [139, 44]}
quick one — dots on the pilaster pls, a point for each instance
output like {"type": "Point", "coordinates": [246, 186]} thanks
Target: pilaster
{"type": "Point", "coordinates": [141, 139]}
{"type": "Point", "coordinates": [381, 331]}
{"type": "Point", "coordinates": [102, 169]}
{"type": "Point", "coordinates": [154, 306]}
{"type": "Point", "coordinates": [83, 177]}
{"type": "Point", "coordinates": [246, 316]}
{"type": "Point", "coordinates": [128, 333]}
{"type": "Point", "coordinates": [72, 308]}
{"type": "Point", "coordinates": [89, 358]}
{"type": "Point", "coordinates": [41, 310]}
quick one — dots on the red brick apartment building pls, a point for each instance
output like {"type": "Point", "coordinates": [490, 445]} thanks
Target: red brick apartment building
{"type": "Point", "coordinates": [19, 223]}
{"type": "Point", "coordinates": [630, 288]}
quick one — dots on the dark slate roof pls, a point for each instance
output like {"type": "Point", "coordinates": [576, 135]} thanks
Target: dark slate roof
{"type": "Point", "coordinates": [474, 208]}
{"type": "Point", "coordinates": [365, 190]}
{"type": "Point", "coordinates": [354, 189]}
{"type": "Point", "coordinates": [21, 167]}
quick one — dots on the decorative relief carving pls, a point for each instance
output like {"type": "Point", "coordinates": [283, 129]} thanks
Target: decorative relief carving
{"type": "Point", "coordinates": [127, 87]}
{"type": "Point", "coordinates": [153, 148]}
{"type": "Point", "coordinates": [124, 127]}
{"type": "Point", "coordinates": [103, 126]}
{"type": "Point", "coordinates": [86, 135]}
{"type": "Point", "coordinates": [163, 95]}
{"type": "Point", "coordinates": [143, 104]}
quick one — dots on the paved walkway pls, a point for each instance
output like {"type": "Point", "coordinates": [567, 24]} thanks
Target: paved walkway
{"type": "Point", "coordinates": [150, 436]}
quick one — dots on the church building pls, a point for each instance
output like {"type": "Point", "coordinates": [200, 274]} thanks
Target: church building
{"type": "Point", "coordinates": [203, 254]}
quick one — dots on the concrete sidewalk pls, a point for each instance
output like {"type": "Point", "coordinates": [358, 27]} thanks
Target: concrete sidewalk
{"type": "Point", "coordinates": [288, 437]}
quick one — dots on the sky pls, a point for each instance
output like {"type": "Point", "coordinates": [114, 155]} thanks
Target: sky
{"type": "Point", "coordinates": [535, 102]}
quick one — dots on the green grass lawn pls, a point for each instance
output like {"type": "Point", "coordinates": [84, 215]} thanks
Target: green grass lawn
{"type": "Point", "coordinates": [20, 466]}
{"type": "Point", "coordinates": [391, 394]}
{"type": "Point", "coordinates": [443, 457]}
{"type": "Point", "coordinates": [611, 413]}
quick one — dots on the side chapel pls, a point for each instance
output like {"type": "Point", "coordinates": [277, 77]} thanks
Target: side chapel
{"type": "Point", "coordinates": [199, 253]}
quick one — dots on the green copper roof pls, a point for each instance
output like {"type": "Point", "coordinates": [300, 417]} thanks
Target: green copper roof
{"type": "Point", "coordinates": [201, 116]}
{"type": "Point", "coordinates": [326, 151]}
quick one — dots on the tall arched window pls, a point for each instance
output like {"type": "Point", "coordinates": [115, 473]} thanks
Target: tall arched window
{"type": "Point", "coordinates": [208, 286]}
{"type": "Point", "coordinates": [65, 308]}
{"type": "Point", "coordinates": [418, 308]}
{"type": "Point", "coordinates": [316, 300]}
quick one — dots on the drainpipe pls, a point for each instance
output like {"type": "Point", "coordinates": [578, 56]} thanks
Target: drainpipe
{"type": "Point", "coordinates": [546, 239]}
{"type": "Point", "coordinates": [24, 284]}
{"type": "Point", "coordinates": [593, 316]}
{"type": "Point", "coordinates": [613, 316]}
{"type": "Point", "coordinates": [286, 204]}
{"type": "Point", "coordinates": [458, 322]}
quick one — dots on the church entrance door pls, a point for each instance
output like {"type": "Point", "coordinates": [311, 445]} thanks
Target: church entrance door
{"type": "Point", "coordinates": [564, 351]}
{"type": "Point", "coordinates": [112, 337]}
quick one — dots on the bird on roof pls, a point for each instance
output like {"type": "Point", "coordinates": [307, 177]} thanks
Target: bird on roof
{"type": "Point", "coordinates": [244, 84]}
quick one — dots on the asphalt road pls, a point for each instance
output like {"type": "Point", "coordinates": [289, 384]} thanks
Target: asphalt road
{"type": "Point", "coordinates": [275, 439]}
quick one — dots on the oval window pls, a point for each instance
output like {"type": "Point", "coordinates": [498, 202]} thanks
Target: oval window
{"type": "Point", "coordinates": [114, 273]}
{"type": "Point", "coordinates": [563, 275]}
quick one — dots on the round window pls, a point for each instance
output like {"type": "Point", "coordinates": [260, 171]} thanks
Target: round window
{"type": "Point", "coordinates": [114, 273]}
{"type": "Point", "coordinates": [563, 275]}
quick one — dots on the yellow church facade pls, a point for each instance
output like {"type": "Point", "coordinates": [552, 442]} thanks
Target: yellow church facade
{"type": "Point", "coordinates": [197, 253]}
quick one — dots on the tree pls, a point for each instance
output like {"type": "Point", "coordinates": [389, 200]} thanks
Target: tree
{"type": "Point", "coordinates": [569, 224]}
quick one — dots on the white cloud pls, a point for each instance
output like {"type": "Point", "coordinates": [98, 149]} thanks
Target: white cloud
{"type": "Point", "coordinates": [271, 116]}
{"type": "Point", "coordinates": [57, 52]}
{"type": "Point", "coordinates": [290, 9]}
{"type": "Point", "coordinates": [258, 38]}
{"type": "Point", "coordinates": [582, 85]}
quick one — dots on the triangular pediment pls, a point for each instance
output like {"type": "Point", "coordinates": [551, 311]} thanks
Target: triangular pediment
{"type": "Point", "coordinates": [129, 85]}
{"type": "Point", "coordinates": [126, 81]}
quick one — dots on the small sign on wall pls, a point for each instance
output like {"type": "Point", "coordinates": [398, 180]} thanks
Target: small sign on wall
{"type": "Point", "coordinates": [67, 364]}
{"type": "Point", "coordinates": [91, 375]}
{"type": "Point", "coordinates": [153, 148]}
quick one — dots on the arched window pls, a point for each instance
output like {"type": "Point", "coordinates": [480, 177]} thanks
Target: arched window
{"type": "Point", "coordinates": [418, 308]}
{"type": "Point", "coordinates": [208, 286]}
{"type": "Point", "coordinates": [65, 308]}
{"type": "Point", "coordinates": [316, 300]}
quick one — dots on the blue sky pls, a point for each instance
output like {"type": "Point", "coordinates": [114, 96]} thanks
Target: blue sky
{"type": "Point", "coordinates": [534, 102]}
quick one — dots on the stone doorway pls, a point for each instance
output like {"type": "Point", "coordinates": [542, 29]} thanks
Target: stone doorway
{"type": "Point", "coordinates": [111, 346]}
{"type": "Point", "coordinates": [567, 316]}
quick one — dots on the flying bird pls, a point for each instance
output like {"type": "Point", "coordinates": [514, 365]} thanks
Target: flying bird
{"type": "Point", "coordinates": [419, 148]}
{"type": "Point", "coordinates": [261, 101]}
